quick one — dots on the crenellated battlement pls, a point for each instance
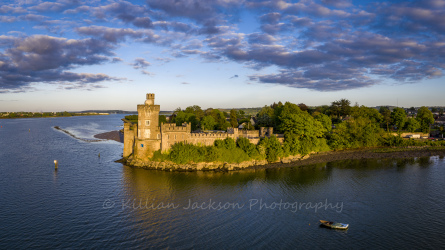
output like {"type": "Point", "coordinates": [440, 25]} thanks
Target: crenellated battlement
{"type": "Point", "coordinates": [208, 135]}
{"type": "Point", "coordinates": [171, 127]}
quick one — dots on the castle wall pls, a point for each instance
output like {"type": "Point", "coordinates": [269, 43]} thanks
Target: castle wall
{"type": "Point", "coordinates": [207, 139]}
{"type": "Point", "coordinates": [145, 148]}
{"type": "Point", "coordinates": [249, 133]}
{"type": "Point", "coordinates": [129, 135]}
{"type": "Point", "coordinates": [171, 134]}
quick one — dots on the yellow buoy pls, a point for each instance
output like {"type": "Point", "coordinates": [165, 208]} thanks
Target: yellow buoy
{"type": "Point", "coordinates": [56, 164]}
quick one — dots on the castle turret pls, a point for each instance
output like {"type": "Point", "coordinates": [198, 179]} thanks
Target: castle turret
{"type": "Point", "coordinates": [148, 134]}
{"type": "Point", "coordinates": [150, 100]}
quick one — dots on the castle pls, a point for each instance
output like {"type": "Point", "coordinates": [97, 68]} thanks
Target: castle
{"type": "Point", "coordinates": [144, 138]}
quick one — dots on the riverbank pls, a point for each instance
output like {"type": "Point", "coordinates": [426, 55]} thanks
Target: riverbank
{"type": "Point", "coordinates": [378, 153]}
{"type": "Point", "coordinates": [293, 161]}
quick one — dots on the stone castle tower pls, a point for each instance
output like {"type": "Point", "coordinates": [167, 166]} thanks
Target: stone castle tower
{"type": "Point", "coordinates": [148, 119]}
{"type": "Point", "coordinates": [145, 138]}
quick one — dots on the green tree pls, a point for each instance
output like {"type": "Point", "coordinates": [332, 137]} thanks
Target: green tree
{"type": "Point", "coordinates": [220, 119]}
{"type": "Point", "coordinates": [196, 110]}
{"type": "Point", "coordinates": [386, 116]}
{"type": "Point", "coordinates": [265, 117]}
{"type": "Point", "coordinates": [355, 133]}
{"type": "Point", "coordinates": [300, 123]}
{"type": "Point", "coordinates": [341, 108]}
{"type": "Point", "coordinates": [241, 114]}
{"type": "Point", "coordinates": [227, 143]}
{"type": "Point", "coordinates": [345, 107]}
{"type": "Point", "coordinates": [272, 148]}
{"type": "Point", "coordinates": [182, 117]}
{"type": "Point", "coordinates": [208, 123]}
{"type": "Point", "coordinates": [365, 112]}
{"type": "Point", "coordinates": [412, 125]}
{"type": "Point", "coordinates": [292, 143]}
{"type": "Point", "coordinates": [303, 107]}
{"type": "Point", "coordinates": [335, 109]}
{"type": "Point", "coordinates": [398, 118]}
{"type": "Point", "coordinates": [425, 118]}
{"type": "Point", "coordinates": [162, 119]}
{"type": "Point", "coordinates": [324, 120]}
{"type": "Point", "coordinates": [233, 118]}
{"type": "Point", "coordinates": [247, 146]}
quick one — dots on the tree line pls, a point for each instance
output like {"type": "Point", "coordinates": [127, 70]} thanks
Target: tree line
{"type": "Point", "coordinates": [335, 127]}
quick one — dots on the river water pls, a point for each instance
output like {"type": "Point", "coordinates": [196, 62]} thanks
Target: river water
{"type": "Point", "coordinates": [93, 202]}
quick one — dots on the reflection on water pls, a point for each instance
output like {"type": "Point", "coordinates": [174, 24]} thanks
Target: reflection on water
{"type": "Point", "coordinates": [242, 209]}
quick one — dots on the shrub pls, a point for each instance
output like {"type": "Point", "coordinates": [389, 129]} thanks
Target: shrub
{"type": "Point", "coordinates": [248, 147]}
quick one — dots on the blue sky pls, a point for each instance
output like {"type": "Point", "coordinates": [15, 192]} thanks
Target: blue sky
{"type": "Point", "coordinates": [91, 54]}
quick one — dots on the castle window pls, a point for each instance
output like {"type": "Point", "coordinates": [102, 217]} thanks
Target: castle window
{"type": "Point", "coordinates": [159, 136]}
{"type": "Point", "coordinates": [175, 137]}
{"type": "Point", "coordinates": [147, 122]}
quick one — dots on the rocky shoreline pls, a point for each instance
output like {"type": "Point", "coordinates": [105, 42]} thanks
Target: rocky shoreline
{"type": "Point", "coordinates": [292, 161]}
{"type": "Point", "coordinates": [331, 156]}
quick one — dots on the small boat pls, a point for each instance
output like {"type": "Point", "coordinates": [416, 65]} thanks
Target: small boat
{"type": "Point", "coordinates": [335, 225]}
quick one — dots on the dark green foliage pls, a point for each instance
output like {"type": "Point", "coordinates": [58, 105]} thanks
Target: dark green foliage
{"type": "Point", "coordinates": [233, 118]}
{"type": "Point", "coordinates": [265, 117]}
{"type": "Point", "coordinates": [227, 143]}
{"type": "Point", "coordinates": [386, 116]}
{"type": "Point", "coordinates": [412, 125]}
{"type": "Point", "coordinates": [271, 148]}
{"type": "Point", "coordinates": [294, 121]}
{"type": "Point", "coordinates": [247, 146]}
{"type": "Point", "coordinates": [340, 108]}
{"type": "Point", "coordinates": [355, 133]}
{"type": "Point", "coordinates": [324, 120]}
{"type": "Point", "coordinates": [162, 119]}
{"type": "Point", "coordinates": [398, 118]}
{"type": "Point", "coordinates": [208, 123]}
{"type": "Point", "coordinates": [425, 118]}
{"type": "Point", "coordinates": [132, 118]}
{"type": "Point", "coordinates": [292, 143]}
{"type": "Point", "coordinates": [183, 153]}
{"type": "Point", "coordinates": [158, 156]}
{"type": "Point", "coordinates": [220, 119]}
{"type": "Point", "coordinates": [182, 117]}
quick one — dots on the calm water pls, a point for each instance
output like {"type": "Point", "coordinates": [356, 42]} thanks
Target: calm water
{"type": "Point", "coordinates": [93, 202]}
